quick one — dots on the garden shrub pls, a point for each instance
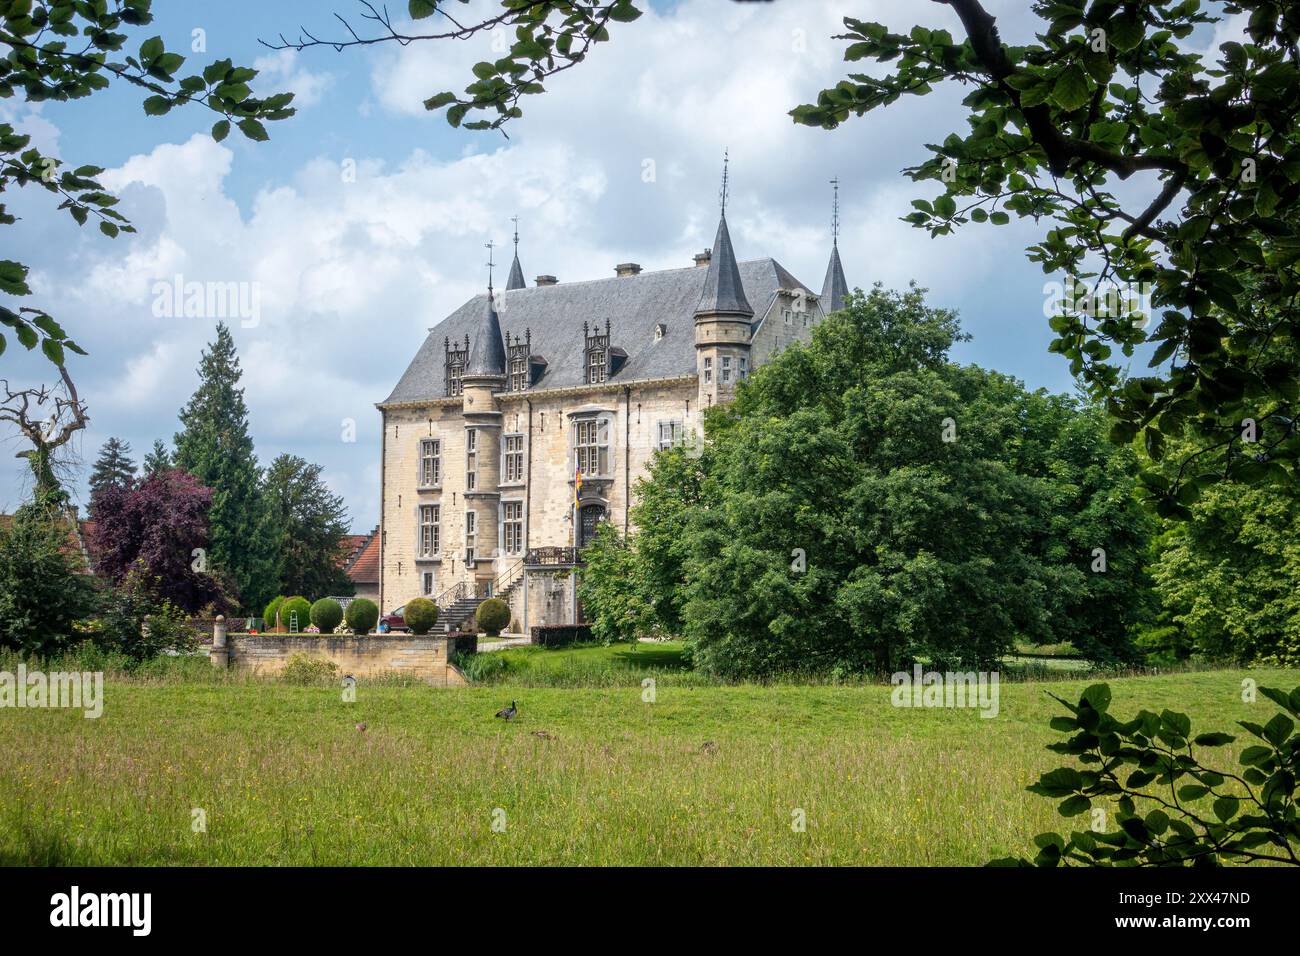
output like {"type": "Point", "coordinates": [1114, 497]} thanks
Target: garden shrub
{"type": "Point", "coordinates": [362, 615]}
{"type": "Point", "coordinates": [561, 635]}
{"type": "Point", "coordinates": [268, 620]}
{"type": "Point", "coordinates": [492, 615]}
{"type": "Point", "coordinates": [327, 614]}
{"type": "Point", "coordinates": [420, 614]}
{"type": "Point", "coordinates": [299, 605]}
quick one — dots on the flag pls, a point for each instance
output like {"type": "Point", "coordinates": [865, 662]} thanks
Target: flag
{"type": "Point", "coordinates": [577, 483]}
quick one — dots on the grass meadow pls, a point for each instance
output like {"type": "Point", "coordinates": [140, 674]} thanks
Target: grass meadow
{"type": "Point", "coordinates": [589, 775]}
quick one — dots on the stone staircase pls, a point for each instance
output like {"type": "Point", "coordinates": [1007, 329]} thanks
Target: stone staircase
{"type": "Point", "coordinates": [463, 607]}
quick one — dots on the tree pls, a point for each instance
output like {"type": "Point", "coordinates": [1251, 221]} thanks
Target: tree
{"type": "Point", "coordinates": [113, 467]}
{"type": "Point", "coordinates": [1251, 816]}
{"type": "Point", "coordinates": [1104, 94]}
{"type": "Point", "coordinates": [158, 527]}
{"type": "Point", "coordinates": [44, 590]}
{"type": "Point", "coordinates": [157, 459]}
{"type": "Point", "coordinates": [27, 409]}
{"type": "Point", "coordinates": [310, 524]}
{"type": "Point", "coordinates": [215, 447]}
{"type": "Point", "coordinates": [46, 66]}
{"type": "Point", "coordinates": [865, 502]}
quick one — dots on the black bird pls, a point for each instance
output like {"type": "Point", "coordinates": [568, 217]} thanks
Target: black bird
{"type": "Point", "coordinates": [508, 712]}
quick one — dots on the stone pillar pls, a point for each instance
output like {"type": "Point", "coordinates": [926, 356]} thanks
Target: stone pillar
{"type": "Point", "coordinates": [220, 653]}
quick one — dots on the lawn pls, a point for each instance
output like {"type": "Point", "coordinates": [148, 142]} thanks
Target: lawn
{"type": "Point", "coordinates": [588, 775]}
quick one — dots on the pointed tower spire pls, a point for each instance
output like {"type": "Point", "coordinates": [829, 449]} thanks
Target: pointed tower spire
{"type": "Point", "coordinates": [723, 292]}
{"type": "Point", "coordinates": [487, 356]}
{"type": "Point", "coordinates": [516, 280]}
{"type": "Point", "coordinates": [835, 288]}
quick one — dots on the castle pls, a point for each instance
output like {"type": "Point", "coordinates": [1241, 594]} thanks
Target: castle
{"type": "Point", "coordinates": [516, 394]}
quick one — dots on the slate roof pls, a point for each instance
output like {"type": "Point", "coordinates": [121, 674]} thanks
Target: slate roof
{"type": "Point", "coordinates": [723, 291]}
{"type": "Point", "coordinates": [835, 288]}
{"type": "Point", "coordinates": [516, 280]}
{"type": "Point", "coordinates": [487, 353]}
{"type": "Point", "coordinates": [633, 304]}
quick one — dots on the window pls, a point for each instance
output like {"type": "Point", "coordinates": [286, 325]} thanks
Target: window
{"type": "Point", "coordinates": [726, 369]}
{"type": "Point", "coordinates": [789, 316]}
{"type": "Point", "coordinates": [429, 536]}
{"type": "Point", "coordinates": [591, 445]}
{"type": "Point", "coordinates": [471, 459]}
{"type": "Point", "coordinates": [426, 583]}
{"type": "Point", "coordinates": [595, 365]}
{"type": "Point", "coordinates": [744, 367]}
{"type": "Point", "coordinates": [470, 536]}
{"type": "Point", "coordinates": [517, 353]}
{"type": "Point", "coordinates": [513, 525]}
{"type": "Point", "coordinates": [670, 434]}
{"type": "Point", "coordinates": [708, 371]}
{"type": "Point", "coordinates": [512, 459]}
{"type": "Point", "coordinates": [805, 320]}
{"type": "Point", "coordinates": [430, 462]}
{"type": "Point", "coordinates": [456, 357]}
{"type": "Point", "coordinates": [454, 385]}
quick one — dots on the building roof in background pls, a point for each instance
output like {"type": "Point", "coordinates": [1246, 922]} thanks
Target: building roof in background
{"type": "Point", "coordinates": [362, 563]}
{"type": "Point", "coordinates": [634, 305]}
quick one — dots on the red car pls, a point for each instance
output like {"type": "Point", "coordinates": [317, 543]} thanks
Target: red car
{"type": "Point", "coordinates": [393, 622]}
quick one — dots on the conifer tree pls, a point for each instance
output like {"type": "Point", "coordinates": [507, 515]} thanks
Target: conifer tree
{"type": "Point", "coordinates": [157, 459]}
{"type": "Point", "coordinates": [113, 467]}
{"type": "Point", "coordinates": [214, 445]}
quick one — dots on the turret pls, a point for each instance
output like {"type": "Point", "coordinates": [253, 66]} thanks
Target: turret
{"type": "Point", "coordinates": [723, 319]}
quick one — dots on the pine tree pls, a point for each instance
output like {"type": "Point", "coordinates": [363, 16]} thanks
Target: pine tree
{"type": "Point", "coordinates": [310, 521]}
{"type": "Point", "coordinates": [113, 467]}
{"type": "Point", "coordinates": [215, 447]}
{"type": "Point", "coordinates": [157, 459]}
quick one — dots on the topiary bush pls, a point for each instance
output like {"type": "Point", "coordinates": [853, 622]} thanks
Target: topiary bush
{"type": "Point", "coordinates": [327, 614]}
{"type": "Point", "coordinates": [268, 618]}
{"type": "Point", "coordinates": [303, 608]}
{"type": "Point", "coordinates": [420, 615]}
{"type": "Point", "coordinates": [362, 615]}
{"type": "Point", "coordinates": [492, 615]}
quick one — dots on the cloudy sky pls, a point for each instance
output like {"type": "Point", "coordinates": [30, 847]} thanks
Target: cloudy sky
{"type": "Point", "coordinates": [363, 221]}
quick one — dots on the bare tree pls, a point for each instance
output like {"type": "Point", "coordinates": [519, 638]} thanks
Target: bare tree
{"type": "Point", "coordinates": [47, 416]}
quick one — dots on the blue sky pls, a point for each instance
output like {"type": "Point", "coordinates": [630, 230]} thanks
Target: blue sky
{"type": "Point", "coordinates": [351, 272]}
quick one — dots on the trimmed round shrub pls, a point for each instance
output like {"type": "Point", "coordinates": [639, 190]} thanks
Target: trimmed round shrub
{"type": "Point", "coordinates": [327, 614]}
{"type": "Point", "coordinates": [420, 615]}
{"type": "Point", "coordinates": [492, 615]}
{"type": "Point", "coordinates": [268, 618]}
{"type": "Point", "coordinates": [362, 615]}
{"type": "Point", "coordinates": [299, 604]}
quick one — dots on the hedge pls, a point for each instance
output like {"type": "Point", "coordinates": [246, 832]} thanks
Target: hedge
{"type": "Point", "coordinates": [559, 635]}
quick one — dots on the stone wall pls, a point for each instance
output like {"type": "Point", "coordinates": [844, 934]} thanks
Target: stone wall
{"type": "Point", "coordinates": [370, 656]}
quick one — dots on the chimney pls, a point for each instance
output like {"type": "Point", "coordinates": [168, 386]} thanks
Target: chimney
{"type": "Point", "coordinates": [703, 258]}
{"type": "Point", "coordinates": [627, 269]}
{"type": "Point", "coordinates": [547, 280]}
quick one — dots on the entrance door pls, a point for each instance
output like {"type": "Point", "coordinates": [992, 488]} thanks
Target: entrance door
{"type": "Point", "coordinates": [589, 517]}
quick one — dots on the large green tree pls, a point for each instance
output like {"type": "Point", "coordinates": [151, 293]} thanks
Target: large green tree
{"type": "Point", "coordinates": [310, 522]}
{"type": "Point", "coordinates": [865, 502]}
{"type": "Point", "coordinates": [158, 459]}
{"type": "Point", "coordinates": [214, 445]}
{"type": "Point", "coordinates": [1206, 149]}
{"type": "Point", "coordinates": [113, 467]}
{"type": "Point", "coordinates": [44, 590]}
{"type": "Point", "coordinates": [60, 50]}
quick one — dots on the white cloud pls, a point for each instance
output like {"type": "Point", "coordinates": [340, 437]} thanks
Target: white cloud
{"type": "Point", "coordinates": [283, 72]}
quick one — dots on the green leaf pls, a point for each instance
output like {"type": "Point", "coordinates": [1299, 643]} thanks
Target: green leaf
{"type": "Point", "coordinates": [1071, 89]}
{"type": "Point", "coordinates": [157, 105]}
{"type": "Point", "coordinates": [420, 9]}
{"type": "Point", "coordinates": [1073, 806]}
{"type": "Point", "coordinates": [53, 351]}
{"type": "Point", "coordinates": [220, 130]}
{"type": "Point", "coordinates": [253, 130]}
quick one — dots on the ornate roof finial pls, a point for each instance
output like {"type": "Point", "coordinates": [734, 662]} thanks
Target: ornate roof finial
{"type": "Point", "coordinates": [515, 220]}
{"type": "Point", "coordinates": [488, 245]}
{"type": "Point", "coordinates": [835, 212]}
{"type": "Point", "coordinates": [722, 193]}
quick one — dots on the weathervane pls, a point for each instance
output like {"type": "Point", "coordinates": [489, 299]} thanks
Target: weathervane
{"type": "Point", "coordinates": [835, 212]}
{"type": "Point", "coordinates": [488, 246]}
{"type": "Point", "coordinates": [515, 220]}
{"type": "Point", "coordinates": [722, 194]}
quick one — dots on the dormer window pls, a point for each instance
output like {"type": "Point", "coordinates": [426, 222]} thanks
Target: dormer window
{"type": "Point", "coordinates": [455, 366]}
{"type": "Point", "coordinates": [595, 353]}
{"type": "Point", "coordinates": [517, 365]}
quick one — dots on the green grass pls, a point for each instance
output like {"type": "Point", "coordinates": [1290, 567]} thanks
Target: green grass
{"type": "Point", "coordinates": [285, 777]}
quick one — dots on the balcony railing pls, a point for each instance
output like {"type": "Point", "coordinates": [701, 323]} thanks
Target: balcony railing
{"type": "Point", "coordinates": [553, 557]}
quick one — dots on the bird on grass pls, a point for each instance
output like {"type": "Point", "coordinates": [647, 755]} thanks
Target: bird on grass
{"type": "Point", "coordinates": [508, 713]}
{"type": "Point", "coordinates": [361, 727]}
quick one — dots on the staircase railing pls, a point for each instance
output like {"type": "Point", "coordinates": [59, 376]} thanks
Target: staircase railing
{"type": "Point", "coordinates": [450, 596]}
{"type": "Point", "coordinates": [508, 577]}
